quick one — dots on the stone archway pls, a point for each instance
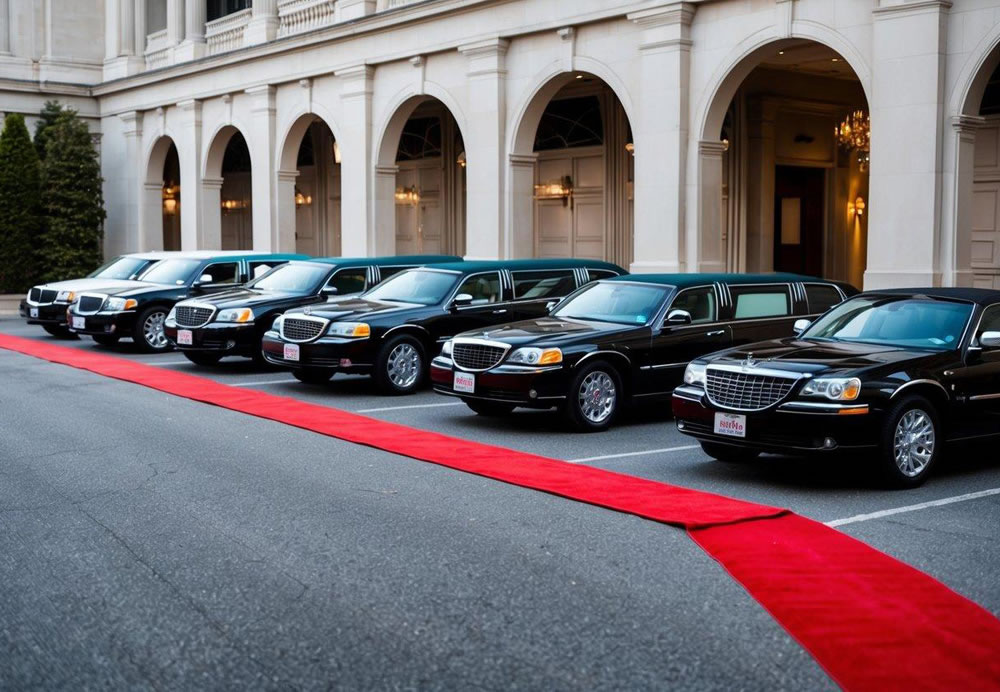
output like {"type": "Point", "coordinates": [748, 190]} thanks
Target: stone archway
{"type": "Point", "coordinates": [160, 214]}
{"type": "Point", "coordinates": [227, 219]}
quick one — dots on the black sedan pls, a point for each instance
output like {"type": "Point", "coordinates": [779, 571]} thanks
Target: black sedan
{"type": "Point", "coordinates": [392, 331]}
{"type": "Point", "coordinates": [895, 374]}
{"type": "Point", "coordinates": [232, 323]}
{"type": "Point", "coordinates": [622, 340]}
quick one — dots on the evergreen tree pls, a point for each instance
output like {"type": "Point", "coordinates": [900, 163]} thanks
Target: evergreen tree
{"type": "Point", "coordinates": [72, 201]}
{"type": "Point", "coordinates": [19, 208]}
{"type": "Point", "coordinates": [47, 118]}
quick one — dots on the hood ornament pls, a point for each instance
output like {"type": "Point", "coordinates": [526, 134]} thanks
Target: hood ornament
{"type": "Point", "coordinates": [749, 362]}
{"type": "Point", "coordinates": [308, 311]}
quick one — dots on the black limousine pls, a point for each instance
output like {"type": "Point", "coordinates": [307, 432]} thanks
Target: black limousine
{"type": "Point", "coordinates": [232, 323]}
{"type": "Point", "coordinates": [139, 309]}
{"type": "Point", "coordinates": [895, 373]}
{"type": "Point", "coordinates": [621, 340]}
{"type": "Point", "coordinates": [392, 331]}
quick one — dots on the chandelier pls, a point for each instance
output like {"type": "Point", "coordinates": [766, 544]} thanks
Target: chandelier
{"type": "Point", "coordinates": [855, 134]}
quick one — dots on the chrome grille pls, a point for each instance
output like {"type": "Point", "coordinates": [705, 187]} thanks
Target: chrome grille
{"type": "Point", "coordinates": [746, 391]}
{"type": "Point", "coordinates": [476, 356]}
{"type": "Point", "coordinates": [42, 296]}
{"type": "Point", "coordinates": [90, 304]}
{"type": "Point", "coordinates": [192, 316]}
{"type": "Point", "coordinates": [294, 329]}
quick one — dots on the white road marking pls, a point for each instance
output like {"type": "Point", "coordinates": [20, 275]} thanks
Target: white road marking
{"type": "Point", "coordinates": [166, 362]}
{"type": "Point", "coordinates": [400, 408]}
{"type": "Point", "coordinates": [635, 454]}
{"type": "Point", "coordinates": [914, 508]}
{"type": "Point", "coordinates": [263, 382]}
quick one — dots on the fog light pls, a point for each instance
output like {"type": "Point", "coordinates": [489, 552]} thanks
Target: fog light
{"type": "Point", "coordinates": [680, 425]}
{"type": "Point", "coordinates": [109, 328]}
{"type": "Point", "coordinates": [345, 362]}
{"type": "Point", "coordinates": [230, 344]}
{"type": "Point", "coordinates": [532, 394]}
{"type": "Point", "coordinates": [829, 443]}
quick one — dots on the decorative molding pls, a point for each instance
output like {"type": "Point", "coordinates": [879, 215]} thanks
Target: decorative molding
{"type": "Point", "coordinates": [262, 99]}
{"type": "Point", "coordinates": [711, 148]}
{"type": "Point", "coordinates": [967, 123]}
{"type": "Point", "coordinates": [485, 57]}
{"type": "Point", "coordinates": [665, 27]}
{"type": "Point", "coordinates": [357, 80]}
{"type": "Point", "coordinates": [133, 123]}
{"type": "Point", "coordinates": [896, 8]}
{"type": "Point", "coordinates": [386, 170]}
{"type": "Point", "coordinates": [523, 160]}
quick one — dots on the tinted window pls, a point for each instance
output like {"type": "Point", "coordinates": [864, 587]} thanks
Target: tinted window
{"type": "Point", "coordinates": [172, 271]}
{"type": "Point", "coordinates": [894, 321]}
{"type": "Point", "coordinates": [258, 269]}
{"type": "Point", "coordinates": [596, 274]}
{"type": "Point", "coordinates": [484, 288]}
{"type": "Point", "coordinates": [386, 272]}
{"type": "Point", "coordinates": [349, 281]}
{"type": "Point", "coordinates": [223, 272]}
{"type": "Point", "coordinates": [420, 286]}
{"type": "Point", "coordinates": [295, 277]}
{"type": "Point", "coordinates": [543, 284]}
{"type": "Point", "coordinates": [122, 268]}
{"type": "Point", "coordinates": [991, 321]}
{"type": "Point", "coordinates": [822, 297]}
{"type": "Point", "coordinates": [611, 301]}
{"type": "Point", "coordinates": [699, 302]}
{"type": "Point", "coordinates": [760, 301]}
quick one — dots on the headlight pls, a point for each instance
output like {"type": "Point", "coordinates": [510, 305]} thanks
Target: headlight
{"type": "Point", "coordinates": [352, 330]}
{"type": "Point", "coordinates": [695, 374]}
{"type": "Point", "coordinates": [65, 297]}
{"type": "Point", "coordinates": [119, 304]}
{"type": "Point", "coordinates": [835, 388]}
{"type": "Point", "coordinates": [172, 315]}
{"type": "Point", "coordinates": [448, 347]}
{"type": "Point", "coordinates": [238, 315]}
{"type": "Point", "coordinates": [536, 356]}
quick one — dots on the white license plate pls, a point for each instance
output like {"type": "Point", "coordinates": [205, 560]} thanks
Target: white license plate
{"type": "Point", "coordinates": [184, 337]}
{"type": "Point", "coordinates": [465, 382]}
{"type": "Point", "coordinates": [291, 352]}
{"type": "Point", "coordinates": [730, 424]}
{"type": "Point", "coordinates": [79, 322]}
{"type": "Point", "coordinates": [33, 312]}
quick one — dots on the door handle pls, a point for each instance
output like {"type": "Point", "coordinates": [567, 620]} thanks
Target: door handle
{"type": "Point", "coordinates": [718, 333]}
{"type": "Point", "coordinates": [500, 312]}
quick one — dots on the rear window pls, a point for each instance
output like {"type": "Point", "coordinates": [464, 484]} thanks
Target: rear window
{"type": "Point", "coordinates": [543, 284]}
{"type": "Point", "coordinates": [760, 301]}
{"type": "Point", "coordinates": [822, 297]}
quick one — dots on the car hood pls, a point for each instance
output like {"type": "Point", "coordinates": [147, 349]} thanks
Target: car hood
{"type": "Point", "coordinates": [814, 357]}
{"type": "Point", "coordinates": [357, 308]}
{"type": "Point", "coordinates": [137, 289]}
{"type": "Point", "coordinates": [93, 285]}
{"type": "Point", "coordinates": [246, 298]}
{"type": "Point", "coordinates": [547, 331]}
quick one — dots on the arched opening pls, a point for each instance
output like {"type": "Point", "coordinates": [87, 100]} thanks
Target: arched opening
{"type": "Point", "coordinates": [160, 205]}
{"type": "Point", "coordinates": [309, 188]}
{"type": "Point", "coordinates": [789, 181]}
{"type": "Point", "coordinates": [171, 196]}
{"type": "Point", "coordinates": [423, 157]}
{"type": "Point", "coordinates": [574, 173]}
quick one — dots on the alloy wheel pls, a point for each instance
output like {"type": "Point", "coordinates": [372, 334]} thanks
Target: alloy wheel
{"type": "Point", "coordinates": [152, 330]}
{"type": "Point", "coordinates": [597, 396]}
{"type": "Point", "coordinates": [403, 366]}
{"type": "Point", "coordinates": [913, 442]}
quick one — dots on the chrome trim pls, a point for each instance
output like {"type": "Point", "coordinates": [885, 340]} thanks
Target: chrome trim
{"type": "Point", "coordinates": [663, 366]}
{"type": "Point", "coordinates": [818, 406]}
{"type": "Point", "coordinates": [599, 353]}
{"type": "Point", "coordinates": [412, 326]}
{"type": "Point", "coordinates": [765, 372]}
{"type": "Point", "coordinates": [304, 318]}
{"type": "Point", "coordinates": [689, 393]}
{"type": "Point", "coordinates": [102, 296]}
{"type": "Point", "coordinates": [984, 397]}
{"type": "Point", "coordinates": [472, 341]}
{"type": "Point", "coordinates": [194, 304]}
{"type": "Point", "coordinates": [924, 381]}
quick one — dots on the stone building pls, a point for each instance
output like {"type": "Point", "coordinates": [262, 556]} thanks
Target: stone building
{"type": "Point", "coordinates": [858, 139]}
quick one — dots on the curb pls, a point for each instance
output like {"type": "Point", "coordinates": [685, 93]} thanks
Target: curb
{"type": "Point", "coordinates": [9, 304]}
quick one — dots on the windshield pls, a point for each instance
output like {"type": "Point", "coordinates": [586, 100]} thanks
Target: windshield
{"type": "Point", "coordinates": [895, 321]}
{"type": "Point", "coordinates": [121, 268]}
{"type": "Point", "coordinates": [612, 301]}
{"type": "Point", "coordinates": [419, 286]}
{"type": "Point", "coordinates": [172, 271]}
{"type": "Point", "coordinates": [294, 278]}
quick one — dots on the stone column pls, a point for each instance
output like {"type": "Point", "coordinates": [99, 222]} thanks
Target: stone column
{"type": "Point", "coordinates": [261, 140]}
{"type": "Point", "coordinates": [956, 200]}
{"type": "Point", "coordinates": [264, 22]}
{"type": "Point", "coordinates": [175, 21]}
{"type": "Point", "coordinates": [132, 122]}
{"type": "Point", "coordinates": [121, 55]}
{"type": "Point", "coordinates": [665, 241]}
{"type": "Point", "coordinates": [193, 16]}
{"type": "Point", "coordinates": [195, 211]}
{"type": "Point", "coordinates": [760, 186]}
{"type": "Point", "coordinates": [127, 28]}
{"type": "Point", "coordinates": [485, 150]}
{"type": "Point", "coordinates": [358, 236]}
{"type": "Point", "coordinates": [521, 224]}
{"type": "Point", "coordinates": [908, 47]}
{"type": "Point", "coordinates": [4, 27]}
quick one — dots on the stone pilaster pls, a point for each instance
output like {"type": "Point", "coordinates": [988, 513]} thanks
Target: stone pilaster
{"type": "Point", "coordinates": [358, 198]}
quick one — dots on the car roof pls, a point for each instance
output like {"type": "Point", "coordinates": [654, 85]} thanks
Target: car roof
{"type": "Point", "coordinates": [983, 296]}
{"type": "Point", "coordinates": [219, 254]}
{"type": "Point", "coordinates": [689, 280]}
{"type": "Point", "coordinates": [530, 264]}
{"type": "Point", "coordinates": [389, 261]}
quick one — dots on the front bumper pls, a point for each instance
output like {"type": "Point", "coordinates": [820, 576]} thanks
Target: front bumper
{"type": "Point", "coordinates": [51, 313]}
{"type": "Point", "coordinates": [117, 323]}
{"type": "Point", "coordinates": [327, 352]}
{"type": "Point", "coordinates": [216, 337]}
{"type": "Point", "coordinates": [542, 387]}
{"type": "Point", "coordinates": [793, 425]}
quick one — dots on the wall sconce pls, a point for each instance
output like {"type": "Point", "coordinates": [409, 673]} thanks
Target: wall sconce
{"type": "Point", "coordinates": [170, 199]}
{"type": "Point", "coordinates": [336, 152]}
{"type": "Point", "coordinates": [462, 162]}
{"type": "Point", "coordinates": [859, 206]}
{"type": "Point", "coordinates": [560, 189]}
{"type": "Point", "coordinates": [233, 204]}
{"type": "Point", "coordinates": [408, 195]}
{"type": "Point", "coordinates": [630, 147]}
{"type": "Point", "coordinates": [302, 200]}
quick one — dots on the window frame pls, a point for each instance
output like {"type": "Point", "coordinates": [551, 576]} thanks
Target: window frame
{"type": "Point", "coordinates": [239, 272]}
{"type": "Point", "coordinates": [461, 282]}
{"type": "Point", "coordinates": [333, 275]}
{"type": "Point", "coordinates": [715, 294]}
{"type": "Point", "coordinates": [835, 287]}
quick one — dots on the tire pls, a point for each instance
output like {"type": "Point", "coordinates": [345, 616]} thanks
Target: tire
{"type": "Point", "coordinates": [202, 358]}
{"type": "Point", "coordinates": [148, 331]}
{"type": "Point", "coordinates": [493, 409]}
{"type": "Point", "coordinates": [595, 397]}
{"type": "Point", "coordinates": [401, 366]}
{"type": "Point", "coordinates": [728, 453]}
{"type": "Point", "coordinates": [59, 331]}
{"type": "Point", "coordinates": [910, 443]}
{"type": "Point", "coordinates": [106, 339]}
{"type": "Point", "coordinates": [312, 375]}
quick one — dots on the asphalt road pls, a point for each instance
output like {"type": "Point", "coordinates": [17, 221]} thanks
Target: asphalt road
{"type": "Point", "coordinates": [152, 541]}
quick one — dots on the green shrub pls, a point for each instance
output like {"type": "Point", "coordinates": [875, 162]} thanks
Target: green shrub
{"type": "Point", "coordinates": [19, 207]}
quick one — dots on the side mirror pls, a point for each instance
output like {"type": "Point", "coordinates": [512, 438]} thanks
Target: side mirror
{"type": "Point", "coordinates": [329, 291]}
{"type": "Point", "coordinates": [461, 299]}
{"type": "Point", "coordinates": [679, 317]}
{"type": "Point", "coordinates": [800, 326]}
{"type": "Point", "coordinates": [990, 340]}
{"type": "Point", "coordinates": [551, 304]}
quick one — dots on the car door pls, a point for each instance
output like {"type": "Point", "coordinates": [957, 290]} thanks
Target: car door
{"type": "Point", "coordinates": [535, 289]}
{"type": "Point", "coordinates": [979, 379]}
{"type": "Point", "coordinates": [760, 312]}
{"type": "Point", "coordinates": [222, 275]}
{"type": "Point", "coordinates": [673, 346]}
{"type": "Point", "coordinates": [489, 305]}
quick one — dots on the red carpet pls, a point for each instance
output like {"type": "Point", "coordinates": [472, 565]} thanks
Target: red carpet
{"type": "Point", "coordinates": [871, 621]}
